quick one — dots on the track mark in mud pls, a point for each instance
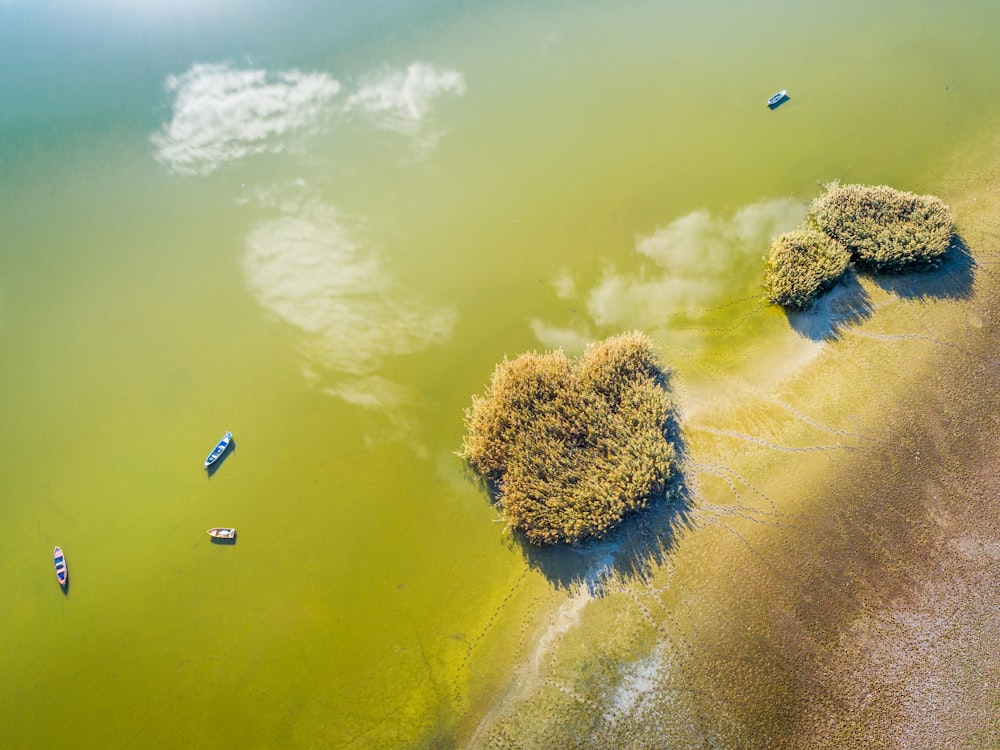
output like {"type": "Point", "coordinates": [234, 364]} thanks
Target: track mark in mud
{"type": "Point", "coordinates": [719, 512]}
{"type": "Point", "coordinates": [677, 642]}
{"type": "Point", "coordinates": [727, 475]}
{"type": "Point", "coordinates": [770, 398]}
{"type": "Point", "coordinates": [669, 319]}
{"type": "Point", "coordinates": [649, 617]}
{"type": "Point", "coordinates": [767, 444]}
{"type": "Point", "coordinates": [471, 644]}
{"type": "Point", "coordinates": [739, 322]}
{"type": "Point", "coordinates": [812, 422]}
{"type": "Point", "coordinates": [572, 694]}
{"type": "Point", "coordinates": [991, 364]}
{"type": "Point", "coordinates": [709, 521]}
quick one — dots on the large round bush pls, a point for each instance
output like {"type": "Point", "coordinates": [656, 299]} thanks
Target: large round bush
{"type": "Point", "coordinates": [885, 229]}
{"type": "Point", "coordinates": [571, 448]}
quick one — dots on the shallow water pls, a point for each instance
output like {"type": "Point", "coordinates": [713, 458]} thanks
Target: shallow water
{"type": "Point", "coordinates": [320, 228]}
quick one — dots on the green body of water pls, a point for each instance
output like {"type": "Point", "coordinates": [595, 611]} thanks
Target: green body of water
{"type": "Point", "coordinates": [320, 226]}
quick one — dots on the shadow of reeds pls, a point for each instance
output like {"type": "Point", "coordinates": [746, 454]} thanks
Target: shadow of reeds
{"type": "Point", "coordinates": [845, 305]}
{"type": "Point", "coordinates": [632, 551]}
{"type": "Point", "coordinates": [953, 278]}
{"type": "Point", "coordinates": [848, 303]}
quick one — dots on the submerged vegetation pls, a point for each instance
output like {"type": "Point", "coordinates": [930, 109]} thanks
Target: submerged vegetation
{"type": "Point", "coordinates": [803, 264]}
{"type": "Point", "coordinates": [881, 229]}
{"type": "Point", "coordinates": [571, 448]}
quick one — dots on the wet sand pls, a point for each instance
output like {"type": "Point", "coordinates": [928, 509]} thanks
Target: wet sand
{"type": "Point", "coordinates": [836, 581]}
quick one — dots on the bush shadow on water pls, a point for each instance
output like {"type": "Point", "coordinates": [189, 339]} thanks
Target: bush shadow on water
{"type": "Point", "coordinates": [848, 303]}
{"type": "Point", "coordinates": [845, 305]}
{"type": "Point", "coordinates": [630, 552]}
{"type": "Point", "coordinates": [633, 549]}
{"type": "Point", "coordinates": [954, 277]}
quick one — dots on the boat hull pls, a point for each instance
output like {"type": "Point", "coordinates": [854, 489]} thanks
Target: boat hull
{"type": "Point", "coordinates": [777, 99]}
{"type": "Point", "coordinates": [62, 571]}
{"type": "Point", "coordinates": [217, 452]}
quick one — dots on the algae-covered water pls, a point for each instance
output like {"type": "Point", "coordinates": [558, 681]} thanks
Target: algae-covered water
{"type": "Point", "coordinates": [319, 226]}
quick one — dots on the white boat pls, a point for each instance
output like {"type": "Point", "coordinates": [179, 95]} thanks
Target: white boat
{"type": "Point", "coordinates": [221, 533]}
{"type": "Point", "coordinates": [777, 99]}
{"type": "Point", "coordinates": [219, 449]}
{"type": "Point", "coordinates": [62, 572]}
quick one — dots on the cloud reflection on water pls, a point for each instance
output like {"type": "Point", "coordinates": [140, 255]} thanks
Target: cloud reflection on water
{"type": "Point", "coordinates": [690, 265]}
{"type": "Point", "coordinates": [561, 337]}
{"type": "Point", "coordinates": [401, 101]}
{"type": "Point", "coordinates": [223, 114]}
{"type": "Point", "coordinates": [309, 268]}
{"type": "Point", "coordinates": [698, 259]}
{"type": "Point", "coordinates": [307, 264]}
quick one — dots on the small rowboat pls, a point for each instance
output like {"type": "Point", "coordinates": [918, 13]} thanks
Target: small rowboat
{"type": "Point", "coordinates": [222, 533]}
{"type": "Point", "coordinates": [219, 449]}
{"type": "Point", "coordinates": [777, 99]}
{"type": "Point", "coordinates": [62, 572]}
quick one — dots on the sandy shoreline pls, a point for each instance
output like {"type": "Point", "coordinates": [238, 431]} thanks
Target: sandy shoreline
{"type": "Point", "coordinates": [837, 589]}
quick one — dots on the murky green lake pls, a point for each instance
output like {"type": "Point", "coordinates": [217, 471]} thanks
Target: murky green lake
{"type": "Point", "coordinates": [319, 226]}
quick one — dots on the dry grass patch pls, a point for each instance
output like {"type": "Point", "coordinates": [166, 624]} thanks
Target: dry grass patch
{"type": "Point", "coordinates": [885, 229]}
{"type": "Point", "coordinates": [571, 448]}
{"type": "Point", "coordinates": [802, 265]}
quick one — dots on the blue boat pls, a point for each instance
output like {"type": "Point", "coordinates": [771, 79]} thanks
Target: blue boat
{"type": "Point", "coordinates": [777, 99]}
{"type": "Point", "coordinates": [219, 449]}
{"type": "Point", "coordinates": [62, 572]}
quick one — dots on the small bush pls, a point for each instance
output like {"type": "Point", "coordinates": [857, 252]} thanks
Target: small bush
{"type": "Point", "coordinates": [885, 229]}
{"type": "Point", "coordinates": [803, 264]}
{"type": "Point", "coordinates": [571, 449]}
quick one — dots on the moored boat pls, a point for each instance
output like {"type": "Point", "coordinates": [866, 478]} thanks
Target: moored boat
{"type": "Point", "coordinates": [62, 572]}
{"type": "Point", "coordinates": [777, 99]}
{"type": "Point", "coordinates": [219, 449]}
{"type": "Point", "coordinates": [221, 533]}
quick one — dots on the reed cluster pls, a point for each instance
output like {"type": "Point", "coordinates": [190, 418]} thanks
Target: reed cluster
{"type": "Point", "coordinates": [880, 229]}
{"type": "Point", "coordinates": [572, 447]}
{"type": "Point", "coordinates": [803, 264]}
{"type": "Point", "coordinates": [884, 229]}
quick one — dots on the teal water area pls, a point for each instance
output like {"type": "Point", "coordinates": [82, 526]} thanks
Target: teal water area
{"type": "Point", "coordinates": [319, 226]}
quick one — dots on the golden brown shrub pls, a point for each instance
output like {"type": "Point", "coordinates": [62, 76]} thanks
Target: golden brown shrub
{"type": "Point", "coordinates": [885, 229]}
{"type": "Point", "coordinates": [571, 449]}
{"type": "Point", "coordinates": [803, 263]}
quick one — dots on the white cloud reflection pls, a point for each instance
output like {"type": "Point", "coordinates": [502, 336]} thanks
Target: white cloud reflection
{"type": "Point", "coordinates": [401, 101]}
{"type": "Point", "coordinates": [571, 340]}
{"type": "Point", "coordinates": [697, 259]}
{"type": "Point", "coordinates": [309, 268]}
{"type": "Point", "coordinates": [692, 264]}
{"type": "Point", "coordinates": [564, 285]}
{"type": "Point", "coordinates": [222, 114]}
